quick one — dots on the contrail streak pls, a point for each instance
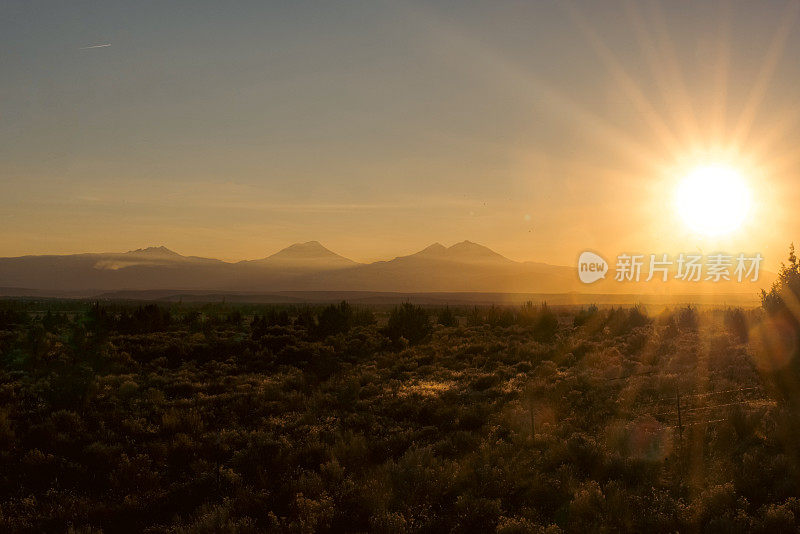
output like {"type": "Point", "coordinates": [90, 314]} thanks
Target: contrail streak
{"type": "Point", "coordinates": [95, 46]}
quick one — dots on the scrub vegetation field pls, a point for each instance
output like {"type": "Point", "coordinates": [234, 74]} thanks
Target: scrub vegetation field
{"type": "Point", "coordinates": [130, 417]}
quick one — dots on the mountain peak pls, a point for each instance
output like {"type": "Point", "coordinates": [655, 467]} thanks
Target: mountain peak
{"type": "Point", "coordinates": [466, 244]}
{"type": "Point", "coordinates": [310, 252]}
{"type": "Point", "coordinates": [464, 252]}
{"type": "Point", "coordinates": [309, 248]}
{"type": "Point", "coordinates": [154, 251]}
{"type": "Point", "coordinates": [309, 245]}
{"type": "Point", "coordinates": [469, 251]}
{"type": "Point", "coordinates": [437, 249]}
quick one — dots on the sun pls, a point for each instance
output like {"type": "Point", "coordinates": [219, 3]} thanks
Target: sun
{"type": "Point", "coordinates": [713, 200]}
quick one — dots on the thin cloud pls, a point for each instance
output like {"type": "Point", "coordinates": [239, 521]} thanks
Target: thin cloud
{"type": "Point", "coordinates": [95, 46]}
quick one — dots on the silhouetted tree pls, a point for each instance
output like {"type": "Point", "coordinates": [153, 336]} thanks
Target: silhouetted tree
{"type": "Point", "coordinates": [408, 321]}
{"type": "Point", "coordinates": [546, 325]}
{"type": "Point", "coordinates": [446, 317]}
{"type": "Point", "coordinates": [235, 318]}
{"type": "Point", "coordinates": [584, 315]}
{"type": "Point", "coordinates": [785, 288]}
{"type": "Point", "coordinates": [334, 319]}
{"type": "Point", "coordinates": [736, 323]}
{"type": "Point", "coordinates": [305, 319]}
{"type": "Point", "coordinates": [686, 318]}
{"type": "Point", "coordinates": [780, 339]}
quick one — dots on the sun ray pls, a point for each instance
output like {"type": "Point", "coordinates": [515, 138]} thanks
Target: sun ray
{"type": "Point", "coordinates": [626, 83]}
{"type": "Point", "coordinates": [542, 95]}
{"type": "Point", "coordinates": [665, 69]}
{"type": "Point", "coordinates": [780, 126]}
{"type": "Point", "coordinates": [776, 48]}
{"type": "Point", "coordinates": [719, 103]}
{"type": "Point", "coordinates": [786, 160]}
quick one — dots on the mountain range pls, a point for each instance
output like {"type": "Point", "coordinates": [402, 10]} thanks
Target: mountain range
{"type": "Point", "coordinates": [465, 266]}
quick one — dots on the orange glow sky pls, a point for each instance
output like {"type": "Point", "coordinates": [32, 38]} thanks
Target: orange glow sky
{"type": "Point", "coordinates": [538, 129]}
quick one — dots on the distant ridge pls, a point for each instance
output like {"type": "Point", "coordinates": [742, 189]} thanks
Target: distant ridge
{"type": "Point", "coordinates": [309, 266]}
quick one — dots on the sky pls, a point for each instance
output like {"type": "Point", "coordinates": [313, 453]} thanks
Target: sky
{"type": "Point", "coordinates": [539, 129]}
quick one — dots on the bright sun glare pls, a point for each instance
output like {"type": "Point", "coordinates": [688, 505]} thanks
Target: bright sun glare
{"type": "Point", "coordinates": [713, 200]}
